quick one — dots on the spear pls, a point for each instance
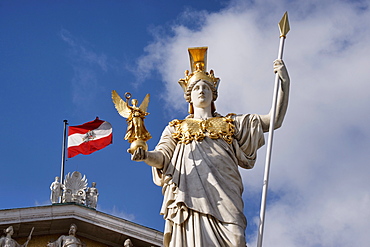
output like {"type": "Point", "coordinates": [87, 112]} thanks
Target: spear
{"type": "Point", "coordinates": [284, 29]}
{"type": "Point", "coordinates": [29, 237]}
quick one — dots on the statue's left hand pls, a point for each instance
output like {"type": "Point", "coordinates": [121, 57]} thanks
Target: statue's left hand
{"type": "Point", "coordinates": [279, 67]}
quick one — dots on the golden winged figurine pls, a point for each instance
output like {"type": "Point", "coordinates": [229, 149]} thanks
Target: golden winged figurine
{"type": "Point", "coordinates": [136, 133]}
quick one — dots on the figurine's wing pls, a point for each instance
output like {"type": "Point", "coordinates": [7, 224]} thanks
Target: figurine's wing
{"type": "Point", "coordinates": [120, 105]}
{"type": "Point", "coordinates": [145, 103]}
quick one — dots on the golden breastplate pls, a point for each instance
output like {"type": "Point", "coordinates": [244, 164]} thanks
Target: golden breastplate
{"type": "Point", "coordinates": [191, 129]}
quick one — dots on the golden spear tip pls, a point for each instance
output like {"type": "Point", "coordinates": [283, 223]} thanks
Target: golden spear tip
{"type": "Point", "coordinates": [284, 25]}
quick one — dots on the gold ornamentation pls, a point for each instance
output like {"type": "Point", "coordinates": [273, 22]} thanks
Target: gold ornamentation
{"type": "Point", "coordinates": [136, 133]}
{"type": "Point", "coordinates": [198, 64]}
{"type": "Point", "coordinates": [191, 129]}
{"type": "Point", "coordinates": [284, 25]}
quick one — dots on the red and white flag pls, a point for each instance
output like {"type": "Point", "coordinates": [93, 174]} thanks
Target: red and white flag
{"type": "Point", "coordinates": [89, 137]}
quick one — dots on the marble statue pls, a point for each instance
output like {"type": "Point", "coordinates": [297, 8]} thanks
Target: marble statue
{"type": "Point", "coordinates": [92, 196]}
{"type": "Point", "coordinates": [56, 190]}
{"type": "Point", "coordinates": [128, 243]}
{"type": "Point", "coordinates": [136, 133]}
{"type": "Point", "coordinates": [7, 241]}
{"type": "Point", "coordinates": [68, 241]}
{"type": "Point", "coordinates": [196, 161]}
{"type": "Point", "coordinates": [74, 188]}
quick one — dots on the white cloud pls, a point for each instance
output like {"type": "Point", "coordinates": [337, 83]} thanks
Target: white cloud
{"type": "Point", "coordinates": [118, 213]}
{"type": "Point", "coordinates": [321, 154]}
{"type": "Point", "coordinates": [43, 203]}
{"type": "Point", "coordinates": [81, 53]}
{"type": "Point", "coordinates": [85, 63]}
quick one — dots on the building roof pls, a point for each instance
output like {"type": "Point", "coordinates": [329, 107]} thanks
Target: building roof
{"type": "Point", "coordinates": [92, 224]}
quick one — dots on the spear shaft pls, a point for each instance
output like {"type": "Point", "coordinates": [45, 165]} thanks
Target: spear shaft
{"type": "Point", "coordinates": [284, 29]}
{"type": "Point", "coordinates": [30, 235]}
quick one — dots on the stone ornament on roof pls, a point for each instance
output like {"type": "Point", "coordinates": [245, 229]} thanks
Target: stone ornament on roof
{"type": "Point", "coordinates": [74, 190]}
{"type": "Point", "coordinates": [92, 196]}
{"type": "Point", "coordinates": [56, 190]}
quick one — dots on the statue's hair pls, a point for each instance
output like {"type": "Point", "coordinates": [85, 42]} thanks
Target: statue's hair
{"type": "Point", "coordinates": [187, 93]}
{"type": "Point", "coordinates": [7, 230]}
{"type": "Point", "coordinates": [73, 224]}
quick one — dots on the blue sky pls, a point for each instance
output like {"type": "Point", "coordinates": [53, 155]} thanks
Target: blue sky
{"type": "Point", "coordinates": [61, 60]}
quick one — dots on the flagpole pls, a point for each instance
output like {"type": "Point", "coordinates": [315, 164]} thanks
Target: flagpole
{"type": "Point", "coordinates": [284, 29]}
{"type": "Point", "coordinates": [63, 151]}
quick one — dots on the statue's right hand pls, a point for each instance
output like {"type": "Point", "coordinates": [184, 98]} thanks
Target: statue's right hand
{"type": "Point", "coordinates": [139, 154]}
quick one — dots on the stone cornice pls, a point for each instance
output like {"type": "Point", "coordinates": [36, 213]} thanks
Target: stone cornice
{"type": "Point", "coordinates": [50, 218]}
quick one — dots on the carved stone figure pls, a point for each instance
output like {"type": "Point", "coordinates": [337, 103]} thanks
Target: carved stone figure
{"type": "Point", "coordinates": [196, 161]}
{"type": "Point", "coordinates": [56, 190]}
{"type": "Point", "coordinates": [92, 196]}
{"type": "Point", "coordinates": [74, 188]}
{"type": "Point", "coordinates": [7, 241]}
{"type": "Point", "coordinates": [136, 133]}
{"type": "Point", "coordinates": [128, 243]}
{"type": "Point", "coordinates": [68, 241]}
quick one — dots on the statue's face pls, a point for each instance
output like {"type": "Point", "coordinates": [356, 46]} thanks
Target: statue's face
{"type": "Point", "coordinates": [72, 230]}
{"type": "Point", "coordinates": [201, 95]}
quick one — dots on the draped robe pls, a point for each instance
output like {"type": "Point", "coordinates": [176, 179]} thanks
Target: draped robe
{"type": "Point", "coordinates": [202, 186]}
{"type": "Point", "coordinates": [9, 242]}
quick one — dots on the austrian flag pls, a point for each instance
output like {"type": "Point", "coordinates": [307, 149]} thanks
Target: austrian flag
{"type": "Point", "coordinates": [89, 137]}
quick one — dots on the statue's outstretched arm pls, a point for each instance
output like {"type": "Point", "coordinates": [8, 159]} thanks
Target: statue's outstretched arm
{"type": "Point", "coordinates": [57, 243]}
{"type": "Point", "coordinates": [282, 100]}
{"type": "Point", "coordinates": [24, 245]}
{"type": "Point", "coordinates": [152, 158]}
